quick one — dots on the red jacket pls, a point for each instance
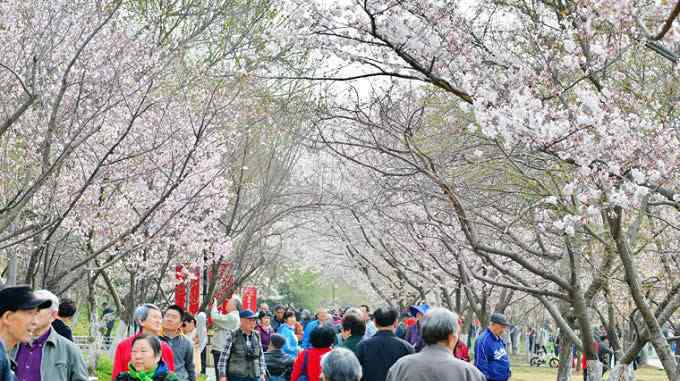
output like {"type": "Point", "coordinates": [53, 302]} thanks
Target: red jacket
{"type": "Point", "coordinates": [124, 355]}
{"type": "Point", "coordinates": [313, 364]}
{"type": "Point", "coordinates": [461, 352]}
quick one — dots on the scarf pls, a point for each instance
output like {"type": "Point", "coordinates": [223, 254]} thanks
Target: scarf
{"type": "Point", "coordinates": [141, 375]}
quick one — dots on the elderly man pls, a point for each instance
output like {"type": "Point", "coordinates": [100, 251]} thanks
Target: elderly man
{"type": "Point", "coordinates": [491, 357]}
{"type": "Point", "coordinates": [49, 356]}
{"type": "Point", "coordinates": [18, 317]}
{"type": "Point", "coordinates": [149, 318]}
{"type": "Point", "coordinates": [340, 365]}
{"type": "Point", "coordinates": [322, 318]}
{"type": "Point", "coordinates": [435, 362]}
{"type": "Point", "coordinates": [242, 358]}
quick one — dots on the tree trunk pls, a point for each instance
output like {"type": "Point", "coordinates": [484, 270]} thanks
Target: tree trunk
{"type": "Point", "coordinates": [12, 269]}
{"type": "Point", "coordinates": [622, 372]}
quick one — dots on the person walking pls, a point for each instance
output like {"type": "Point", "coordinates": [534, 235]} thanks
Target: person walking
{"type": "Point", "coordinates": [377, 354]}
{"type": "Point", "coordinates": [414, 333]}
{"type": "Point", "coordinates": [242, 358]}
{"type": "Point", "coordinates": [287, 330]}
{"type": "Point", "coordinates": [224, 325]}
{"type": "Point", "coordinates": [146, 363]}
{"type": "Point", "coordinates": [109, 319]}
{"type": "Point", "coordinates": [435, 362]}
{"type": "Point", "coordinates": [370, 326]}
{"type": "Point", "coordinates": [322, 318]}
{"type": "Point", "coordinates": [279, 311]}
{"type": "Point", "coordinates": [19, 308]}
{"type": "Point", "coordinates": [279, 364]}
{"type": "Point", "coordinates": [182, 348]}
{"type": "Point", "coordinates": [62, 322]}
{"type": "Point", "coordinates": [148, 317]}
{"type": "Point", "coordinates": [353, 331]}
{"type": "Point", "coordinates": [491, 355]}
{"type": "Point", "coordinates": [49, 356]}
{"type": "Point", "coordinates": [308, 363]}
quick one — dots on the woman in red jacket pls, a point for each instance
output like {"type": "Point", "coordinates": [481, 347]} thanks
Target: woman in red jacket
{"type": "Point", "coordinates": [309, 361]}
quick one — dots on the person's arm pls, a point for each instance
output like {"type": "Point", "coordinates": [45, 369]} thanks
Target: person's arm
{"type": "Point", "coordinates": [77, 364]}
{"type": "Point", "coordinates": [224, 358]}
{"type": "Point", "coordinates": [189, 361]}
{"type": "Point", "coordinates": [297, 367]}
{"type": "Point", "coordinates": [290, 346]}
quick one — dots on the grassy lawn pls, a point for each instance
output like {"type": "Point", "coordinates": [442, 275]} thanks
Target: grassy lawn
{"type": "Point", "coordinates": [521, 371]}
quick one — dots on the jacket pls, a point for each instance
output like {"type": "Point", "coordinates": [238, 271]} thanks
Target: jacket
{"type": "Point", "coordinates": [415, 337]}
{"type": "Point", "coordinates": [63, 329]}
{"type": "Point", "coordinates": [162, 374]}
{"type": "Point", "coordinates": [434, 363]}
{"type": "Point", "coordinates": [351, 343]}
{"type": "Point", "coordinates": [313, 364]}
{"type": "Point", "coordinates": [183, 357]}
{"type": "Point", "coordinates": [377, 354]}
{"type": "Point", "coordinates": [265, 335]}
{"type": "Point", "coordinates": [308, 331]}
{"type": "Point", "coordinates": [291, 346]}
{"type": "Point", "coordinates": [491, 357]}
{"type": "Point", "coordinates": [5, 366]}
{"type": "Point", "coordinates": [61, 360]}
{"type": "Point", "coordinates": [222, 324]}
{"type": "Point", "coordinates": [123, 356]}
{"type": "Point", "coordinates": [279, 363]}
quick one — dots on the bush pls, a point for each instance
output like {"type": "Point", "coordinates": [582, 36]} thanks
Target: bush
{"type": "Point", "coordinates": [104, 368]}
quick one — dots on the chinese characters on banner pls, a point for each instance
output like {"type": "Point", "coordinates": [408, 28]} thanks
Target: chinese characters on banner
{"type": "Point", "coordinates": [249, 297]}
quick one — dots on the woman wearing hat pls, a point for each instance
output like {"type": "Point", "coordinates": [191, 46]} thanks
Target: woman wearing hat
{"type": "Point", "coordinates": [414, 335]}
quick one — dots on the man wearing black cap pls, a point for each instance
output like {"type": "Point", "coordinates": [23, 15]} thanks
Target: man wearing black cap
{"type": "Point", "coordinates": [18, 310]}
{"type": "Point", "coordinates": [491, 356]}
{"type": "Point", "coordinates": [242, 358]}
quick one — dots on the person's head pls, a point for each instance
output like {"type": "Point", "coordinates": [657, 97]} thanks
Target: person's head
{"type": "Point", "coordinates": [322, 315]}
{"type": "Point", "coordinates": [440, 326]}
{"type": "Point", "coordinates": [188, 323]}
{"type": "Point", "coordinates": [279, 311]}
{"type": "Point", "coordinates": [385, 318]}
{"type": "Point", "coordinates": [234, 304]}
{"type": "Point", "coordinates": [289, 318]}
{"type": "Point", "coordinates": [104, 305]}
{"type": "Point", "coordinates": [499, 324]}
{"type": "Point", "coordinates": [419, 311]}
{"type": "Point", "coordinates": [265, 319]}
{"type": "Point", "coordinates": [264, 307]}
{"type": "Point", "coordinates": [340, 365]}
{"type": "Point", "coordinates": [45, 317]}
{"type": "Point", "coordinates": [248, 321]}
{"type": "Point", "coordinates": [366, 311]}
{"type": "Point", "coordinates": [172, 320]}
{"type": "Point", "coordinates": [67, 309]}
{"type": "Point", "coordinates": [277, 341]}
{"type": "Point", "coordinates": [322, 336]}
{"type": "Point", "coordinates": [149, 318]}
{"type": "Point", "coordinates": [146, 352]}
{"type": "Point", "coordinates": [19, 308]}
{"type": "Point", "coordinates": [353, 325]}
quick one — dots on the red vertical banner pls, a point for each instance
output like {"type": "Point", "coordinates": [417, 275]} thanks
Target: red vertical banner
{"type": "Point", "coordinates": [195, 290]}
{"type": "Point", "coordinates": [249, 296]}
{"type": "Point", "coordinates": [181, 288]}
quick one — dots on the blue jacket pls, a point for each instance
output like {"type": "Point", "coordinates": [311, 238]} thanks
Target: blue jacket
{"type": "Point", "coordinates": [5, 366]}
{"type": "Point", "coordinates": [308, 331]}
{"type": "Point", "coordinates": [291, 346]}
{"type": "Point", "coordinates": [491, 357]}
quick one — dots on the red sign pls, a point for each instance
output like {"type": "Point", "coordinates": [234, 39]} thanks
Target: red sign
{"type": "Point", "coordinates": [181, 288]}
{"type": "Point", "coordinates": [249, 296]}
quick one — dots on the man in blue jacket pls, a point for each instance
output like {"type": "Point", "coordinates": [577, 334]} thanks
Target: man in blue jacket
{"type": "Point", "coordinates": [491, 357]}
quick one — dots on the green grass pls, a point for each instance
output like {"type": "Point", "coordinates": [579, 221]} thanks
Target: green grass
{"type": "Point", "coordinates": [521, 371]}
{"type": "Point", "coordinates": [104, 368]}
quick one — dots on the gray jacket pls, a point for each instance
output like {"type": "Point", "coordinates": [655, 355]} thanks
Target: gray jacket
{"type": "Point", "coordinates": [61, 360]}
{"type": "Point", "coordinates": [433, 363]}
{"type": "Point", "coordinates": [183, 351]}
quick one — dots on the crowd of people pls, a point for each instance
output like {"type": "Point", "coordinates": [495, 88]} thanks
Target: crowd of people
{"type": "Point", "coordinates": [280, 345]}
